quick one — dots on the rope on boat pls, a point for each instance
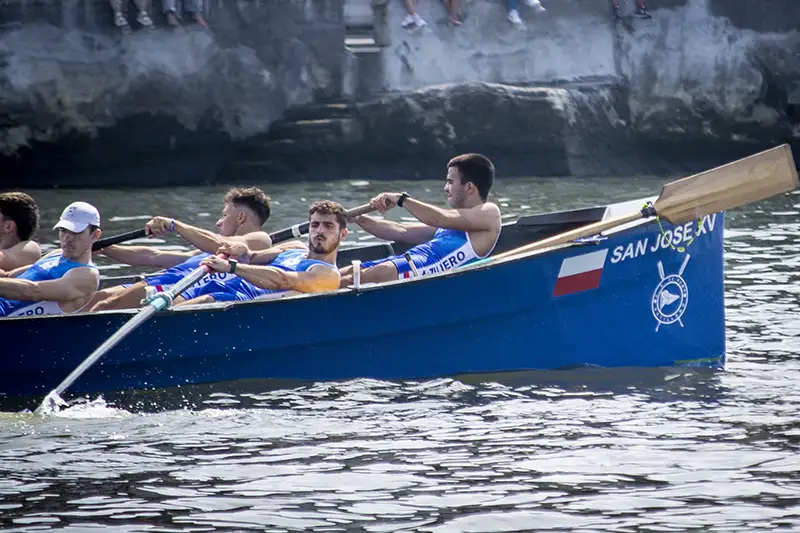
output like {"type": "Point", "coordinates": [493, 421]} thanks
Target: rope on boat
{"type": "Point", "coordinates": [680, 249]}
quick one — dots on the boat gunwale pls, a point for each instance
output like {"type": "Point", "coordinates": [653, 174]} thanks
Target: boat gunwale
{"type": "Point", "coordinates": [294, 296]}
{"type": "Point", "coordinates": [226, 306]}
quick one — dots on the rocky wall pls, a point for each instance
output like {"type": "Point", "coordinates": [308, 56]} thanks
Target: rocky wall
{"type": "Point", "coordinates": [79, 97]}
{"type": "Point", "coordinates": [698, 67]}
{"type": "Point", "coordinates": [572, 93]}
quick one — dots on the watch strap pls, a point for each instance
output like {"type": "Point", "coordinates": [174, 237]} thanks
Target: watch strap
{"type": "Point", "coordinates": [402, 198]}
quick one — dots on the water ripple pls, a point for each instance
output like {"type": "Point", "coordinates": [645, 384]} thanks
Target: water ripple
{"type": "Point", "coordinates": [580, 451]}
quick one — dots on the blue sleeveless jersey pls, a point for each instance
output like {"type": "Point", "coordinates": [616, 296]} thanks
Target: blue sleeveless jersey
{"type": "Point", "coordinates": [45, 269]}
{"type": "Point", "coordinates": [448, 249]}
{"type": "Point", "coordinates": [165, 280]}
{"type": "Point", "coordinates": [233, 288]}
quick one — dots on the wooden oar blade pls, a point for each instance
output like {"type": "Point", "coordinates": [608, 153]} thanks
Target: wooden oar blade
{"type": "Point", "coordinates": [748, 180]}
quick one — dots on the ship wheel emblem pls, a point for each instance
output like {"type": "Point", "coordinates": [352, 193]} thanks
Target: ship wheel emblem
{"type": "Point", "coordinates": [671, 296]}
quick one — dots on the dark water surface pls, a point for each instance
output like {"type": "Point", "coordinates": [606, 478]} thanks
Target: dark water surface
{"type": "Point", "coordinates": [587, 450]}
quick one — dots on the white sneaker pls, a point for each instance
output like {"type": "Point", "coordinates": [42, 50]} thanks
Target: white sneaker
{"type": "Point", "coordinates": [408, 21]}
{"type": "Point", "coordinates": [119, 20]}
{"type": "Point", "coordinates": [419, 21]}
{"type": "Point", "coordinates": [536, 5]}
{"type": "Point", "coordinates": [513, 17]}
{"type": "Point", "coordinates": [144, 19]}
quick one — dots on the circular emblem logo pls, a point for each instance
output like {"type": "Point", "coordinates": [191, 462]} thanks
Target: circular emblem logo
{"type": "Point", "coordinates": [670, 299]}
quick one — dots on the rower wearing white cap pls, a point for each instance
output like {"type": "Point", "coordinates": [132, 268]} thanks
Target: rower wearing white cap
{"type": "Point", "coordinates": [63, 281]}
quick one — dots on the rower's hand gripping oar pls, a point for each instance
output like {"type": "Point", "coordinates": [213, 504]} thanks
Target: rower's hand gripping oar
{"type": "Point", "coordinates": [157, 303]}
{"type": "Point", "coordinates": [729, 186]}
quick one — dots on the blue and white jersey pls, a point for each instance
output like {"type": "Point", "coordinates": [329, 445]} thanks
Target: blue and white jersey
{"type": "Point", "coordinates": [448, 249]}
{"type": "Point", "coordinates": [165, 280]}
{"type": "Point", "coordinates": [296, 261]}
{"type": "Point", "coordinates": [230, 287]}
{"type": "Point", "coordinates": [48, 268]}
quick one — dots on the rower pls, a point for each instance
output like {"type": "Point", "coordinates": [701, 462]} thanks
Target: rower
{"type": "Point", "coordinates": [63, 281]}
{"type": "Point", "coordinates": [19, 220]}
{"type": "Point", "coordinates": [311, 270]}
{"type": "Point", "coordinates": [244, 212]}
{"type": "Point", "coordinates": [444, 238]}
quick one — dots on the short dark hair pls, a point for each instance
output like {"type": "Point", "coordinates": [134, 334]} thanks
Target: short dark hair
{"type": "Point", "coordinates": [476, 169]}
{"type": "Point", "coordinates": [251, 197]}
{"type": "Point", "coordinates": [22, 209]}
{"type": "Point", "coordinates": [327, 207]}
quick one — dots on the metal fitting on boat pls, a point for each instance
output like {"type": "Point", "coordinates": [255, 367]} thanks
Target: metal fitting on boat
{"type": "Point", "coordinates": [149, 292]}
{"type": "Point", "coordinates": [356, 273]}
{"type": "Point", "coordinates": [411, 264]}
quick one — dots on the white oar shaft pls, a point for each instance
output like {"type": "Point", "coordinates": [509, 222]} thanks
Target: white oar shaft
{"type": "Point", "coordinates": [109, 343]}
{"type": "Point", "coordinates": [161, 302]}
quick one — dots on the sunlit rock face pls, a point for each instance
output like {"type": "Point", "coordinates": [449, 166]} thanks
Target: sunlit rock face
{"type": "Point", "coordinates": [78, 90]}
{"type": "Point", "coordinates": [572, 93]}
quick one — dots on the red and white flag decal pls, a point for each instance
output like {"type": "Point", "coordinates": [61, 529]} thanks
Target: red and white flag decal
{"type": "Point", "coordinates": [580, 273]}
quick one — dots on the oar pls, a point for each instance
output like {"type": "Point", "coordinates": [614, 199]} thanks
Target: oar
{"type": "Point", "coordinates": [116, 239]}
{"type": "Point", "coordinates": [278, 236]}
{"type": "Point", "coordinates": [729, 186]}
{"type": "Point", "coordinates": [161, 301]}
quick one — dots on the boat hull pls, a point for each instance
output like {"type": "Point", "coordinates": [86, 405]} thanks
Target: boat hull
{"type": "Point", "coordinates": [618, 302]}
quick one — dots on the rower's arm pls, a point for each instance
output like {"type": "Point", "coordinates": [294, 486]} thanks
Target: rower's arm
{"type": "Point", "coordinates": [208, 241]}
{"type": "Point", "coordinates": [77, 283]}
{"type": "Point", "coordinates": [318, 279]}
{"type": "Point", "coordinates": [146, 256]}
{"type": "Point", "coordinates": [14, 273]}
{"type": "Point", "coordinates": [389, 230]}
{"type": "Point", "coordinates": [21, 254]}
{"type": "Point", "coordinates": [485, 217]}
{"type": "Point", "coordinates": [265, 257]}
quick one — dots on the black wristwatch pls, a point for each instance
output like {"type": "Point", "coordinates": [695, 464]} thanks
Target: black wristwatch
{"type": "Point", "coordinates": [402, 198]}
{"type": "Point", "coordinates": [233, 263]}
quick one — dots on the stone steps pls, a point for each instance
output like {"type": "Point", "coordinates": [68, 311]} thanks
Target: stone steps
{"type": "Point", "coordinates": [304, 129]}
{"type": "Point", "coordinates": [292, 138]}
{"type": "Point", "coordinates": [296, 144]}
{"type": "Point", "coordinates": [363, 73]}
{"type": "Point", "coordinates": [328, 110]}
{"type": "Point", "coordinates": [358, 14]}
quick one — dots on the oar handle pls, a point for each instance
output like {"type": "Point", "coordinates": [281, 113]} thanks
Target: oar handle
{"type": "Point", "coordinates": [358, 211]}
{"type": "Point", "coordinates": [301, 229]}
{"type": "Point", "coordinates": [116, 239]}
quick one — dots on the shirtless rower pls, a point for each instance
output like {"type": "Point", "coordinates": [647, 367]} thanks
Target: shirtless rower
{"type": "Point", "coordinates": [63, 281]}
{"type": "Point", "coordinates": [19, 220]}
{"type": "Point", "coordinates": [444, 238]}
{"type": "Point", "coordinates": [244, 213]}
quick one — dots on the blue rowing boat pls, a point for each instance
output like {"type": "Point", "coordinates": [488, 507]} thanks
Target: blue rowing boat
{"type": "Point", "coordinates": [647, 294]}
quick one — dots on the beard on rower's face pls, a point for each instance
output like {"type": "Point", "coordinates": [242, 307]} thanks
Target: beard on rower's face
{"type": "Point", "coordinates": [322, 245]}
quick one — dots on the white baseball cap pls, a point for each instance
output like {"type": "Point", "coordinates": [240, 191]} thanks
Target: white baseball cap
{"type": "Point", "coordinates": [77, 216]}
